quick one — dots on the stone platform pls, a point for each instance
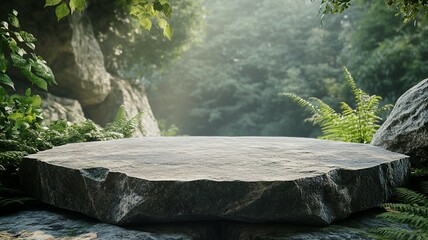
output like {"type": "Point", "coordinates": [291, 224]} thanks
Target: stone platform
{"type": "Point", "coordinates": [247, 179]}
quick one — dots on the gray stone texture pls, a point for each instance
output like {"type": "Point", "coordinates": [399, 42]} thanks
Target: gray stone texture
{"type": "Point", "coordinates": [249, 179]}
{"type": "Point", "coordinates": [406, 129]}
{"type": "Point", "coordinates": [135, 101]}
{"type": "Point", "coordinates": [57, 108]}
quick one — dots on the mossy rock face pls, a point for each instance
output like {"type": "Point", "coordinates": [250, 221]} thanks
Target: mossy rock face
{"type": "Point", "coordinates": [249, 179]}
{"type": "Point", "coordinates": [406, 129]}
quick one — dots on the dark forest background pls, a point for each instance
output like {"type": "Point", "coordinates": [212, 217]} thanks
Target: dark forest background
{"type": "Point", "coordinates": [246, 53]}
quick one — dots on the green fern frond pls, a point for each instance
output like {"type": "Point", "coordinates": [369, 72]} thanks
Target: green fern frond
{"type": "Point", "coordinates": [133, 124]}
{"type": "Point", "coordinates": [409, 208]}
{"type": "Point", "coordinates": [408, 196]}
{"type": "Point", "coordinates": [355, 90]}
{"type": "Point", "coordinates": [309, 107]}
{"type": "Point", "coordinates": [123, 125]}
{"type": "Point", "coordinates": [121, 116]}
{"type": "Point", "coordinates": [410, 219]}
{"type": "Point", "coordinates": [400, 233]}
{"type": "Point", "coordinates": [351, 125]}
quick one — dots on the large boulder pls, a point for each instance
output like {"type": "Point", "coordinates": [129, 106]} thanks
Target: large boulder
{"type": "Point", "coordinates": [159, 179]}
{"type": "Point", "coordinates": [70, 49]}
{"type": "Point", "coordinates": [406, 129]}
{"type": "Point", "coordinates": [135, 101]}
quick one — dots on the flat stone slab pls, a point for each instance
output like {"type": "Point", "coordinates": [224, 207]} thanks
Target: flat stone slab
{"type": "Point", "coordinates": [250, 179]}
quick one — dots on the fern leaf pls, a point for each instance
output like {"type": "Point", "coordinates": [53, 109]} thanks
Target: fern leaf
{"type": "Point", "coordinates": [122, 125]}
{"type": "Point", "coordinates": [400, 233]}
{"type": "Point", "coordinates": [410, 219]}
{"type": "Point", "coordinates": [306, 105]}
{"type": "Point", "coordinates": [409, 208]}
{"type": "Point", "coordinates": [355, 90]}
{"type": "Point", "coordinates": [405, 195]}
{"type": "Point", "coordinates": [121, 116]}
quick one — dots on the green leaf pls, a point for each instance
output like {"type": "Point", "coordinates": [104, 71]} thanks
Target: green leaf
{"type": "Point", "coordinates": [162, 23]}
{"type": "Point", "coordinates": [37, 101]}
{"type": "Point", "coordinates": [5, 25]}
{"type": "Point", "coordinates": [18, 61]}
{"type": "Point", "coordinates": [52, 2]}
{"type": "Point", "coordinates": [42, 70]}
{"type": "Point", "coordinates": [168, 32]}
{"type": "Point", "coordinates": [167, 10]}
{"type": "Point", "coordinates": [18, 37]}
{"type": "Point", "coordinates": [163, 1]}
{"type": "Point", "coordinates": [77, 4]}
{"type": "Point", "coordinates": [3, 63]}
{"type": "Point", "coordinates": [39, 82]}
{"type": "Point", "coordinates": [15, 116]}
{"type": "Point", "coordinates": [62, 11]}
{"type": "Point", "coordinates": [13, 20]}
{"type": "Point", "coordinates": [31, 45]}
{"type": "Point", "coordinates": [5, 79]}
{"type": "Point", "coordinates": [28, 37]}
{"type": "Point", "coordinates": [28, 92]}
{"type": "Point", "coordinates": [145, 23]}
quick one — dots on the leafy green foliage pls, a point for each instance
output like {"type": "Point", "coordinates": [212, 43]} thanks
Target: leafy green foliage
{"type": "Point", "coordinates": [17, 50]}
{"type": "Point", "coordinates": [386, 56]}
{"type": "Point", "coordinates": [142, 10]}
{"type": "Point", "coordinates": [352, 125]}
{"type": "Point", "coordinates": [124, 125]}
{"type": "Point", "coordinates": [18, 114]}
{"type": "Point", "coordinates": [411, 211]}
{"type": "Point", "coordinates": [132, 53]}
{"type": "Point", "coordinates": [409, 9]}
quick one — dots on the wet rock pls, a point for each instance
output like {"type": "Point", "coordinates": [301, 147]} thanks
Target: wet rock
{"type": "Point", "coordinates": [406, 129]}
{"type": "Point", "coordinates": [294, 180]}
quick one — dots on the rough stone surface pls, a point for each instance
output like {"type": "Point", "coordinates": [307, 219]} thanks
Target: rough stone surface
{"type": "Point", "coordinates": [56, 108]}
{"type": "Point", "coordinates": [251, 179]}
{"type": "Point", "coordinates": [135, 101]}
{"type": "Point", "coordinates": [48, 225]}
{"type": "Point", "coordinates": [406, 129]}
{"type": "Point", "coordinates": [62, 225]}
{"type": "Point", "coordinates": [78, 62]}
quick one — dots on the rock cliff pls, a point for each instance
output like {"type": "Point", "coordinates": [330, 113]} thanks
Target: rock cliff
{"type": "Point", "coordinates": [73, 52]}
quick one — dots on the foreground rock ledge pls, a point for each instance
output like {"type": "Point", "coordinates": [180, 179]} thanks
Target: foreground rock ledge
{"type": "Point", "coordinates": [250, 179]}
